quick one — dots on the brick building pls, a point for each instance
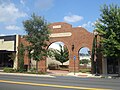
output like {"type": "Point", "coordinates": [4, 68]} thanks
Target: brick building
{"type": "Point", "coordinates": [8, 45]}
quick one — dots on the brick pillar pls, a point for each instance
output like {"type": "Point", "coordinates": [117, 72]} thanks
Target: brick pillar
{"type": "Point", "coordinates": [42, 66]}
{"type": "Point", "coordinates": [26, 60]}
{"type": "Point", "coordinates": [74, 62]}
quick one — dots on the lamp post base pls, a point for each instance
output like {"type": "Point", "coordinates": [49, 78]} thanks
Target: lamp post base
{"type": "Point", "coordinates": [97, 74]}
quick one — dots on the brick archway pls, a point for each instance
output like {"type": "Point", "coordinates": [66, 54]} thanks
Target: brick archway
{"type": "Point", "coordinates": [64, 32]}
{"type": "Point", "coordinates": [77, 36]}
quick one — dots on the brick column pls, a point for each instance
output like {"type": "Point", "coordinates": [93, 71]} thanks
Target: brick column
{"type": "Point", "coordinates": [42, 66]}
{"type": "Point", "coordinates": [74, 64]}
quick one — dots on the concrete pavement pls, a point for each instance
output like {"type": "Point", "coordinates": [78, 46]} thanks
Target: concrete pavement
{"type": "Point", "coordinates": [66, 73]}
{"type": "Point", "coordinates": [53, 73]}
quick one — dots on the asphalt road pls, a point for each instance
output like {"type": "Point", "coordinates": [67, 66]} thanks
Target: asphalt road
{"type": "Point", "coordinates": [12, 82]}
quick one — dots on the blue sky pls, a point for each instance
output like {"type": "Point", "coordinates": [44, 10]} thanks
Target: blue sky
{"type": "Point", "coordinates": [76, 12]}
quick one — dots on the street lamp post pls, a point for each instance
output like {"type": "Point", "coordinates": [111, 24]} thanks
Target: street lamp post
{"type": "Point", "coordinates": [96, 58]}
{"type": "Point", "coordinates": [73, 58]}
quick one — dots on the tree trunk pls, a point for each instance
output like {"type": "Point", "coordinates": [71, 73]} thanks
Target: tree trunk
{"type": "Point", "coordinates": [119, 67]}
{"type": "Point", "coordinates": [29, 65]}
{"type": "Point", "coordinates": [36, 66]}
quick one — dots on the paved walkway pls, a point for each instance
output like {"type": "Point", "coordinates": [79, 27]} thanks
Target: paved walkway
{"type": "Point", "coordinates": [67, 73]}
{"type": "Point", "coordinates": [58, 72]}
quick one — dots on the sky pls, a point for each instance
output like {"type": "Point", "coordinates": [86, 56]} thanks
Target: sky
{"type": "Point", "coordinates": [56, 45]}
{"type": "Point", "coordinates": [81, 13]}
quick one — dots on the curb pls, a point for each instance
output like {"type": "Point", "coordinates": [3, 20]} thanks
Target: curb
{"type": "Point", "coordinates": [24, 74]}
{"type": "Point", "coordinates": [82, 75]}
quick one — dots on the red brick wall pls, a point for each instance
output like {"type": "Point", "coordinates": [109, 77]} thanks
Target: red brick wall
{"type": "Point", "coordinates": [26, 59]}
{"type": "Point", "coordinates": [80, 38]}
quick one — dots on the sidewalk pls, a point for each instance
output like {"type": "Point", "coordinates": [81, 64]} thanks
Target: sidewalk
{"type": "Point", "coordinates": [57, 72]}
{"type": "Point", "coordinates": [53, 73]}
{"type": "Point", "coordinates": [66, 73]}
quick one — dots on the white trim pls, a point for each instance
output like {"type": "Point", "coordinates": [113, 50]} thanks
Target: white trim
{"type": "Point", "coordinates": [16, 59]}
{"type": "Point", "coordinates": [57, 26]}
{"type": "Point", "coordinates": [66, 34]}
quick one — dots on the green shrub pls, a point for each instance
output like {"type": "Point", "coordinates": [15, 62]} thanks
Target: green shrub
{"type": "Point", "coordinates": [21, 70]}
{"type": "Point", "coordinates": [85, 70]}
{"type": "Point", "coordinates": [33, 70]}
{"type": "Point", "coordinates": [53, 66]}
{"type": "Point", "coordinates": [36, 72]}
{"type": "Point", "coordinates": [84, 61]}
{"type": "Point", "coordinates": [8, 70]}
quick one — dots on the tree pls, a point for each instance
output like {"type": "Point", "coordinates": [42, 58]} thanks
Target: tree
{"type": "Point", "coordinates": [21, 53]}
{"type": "Point", "coordinates": [61, 55]}
{"type": "Point", "coordinates": [37, 35]}
{"type": "Point", "coordinates": [108, 27]}
{"type": "Point", "coordinates": [12, 57]}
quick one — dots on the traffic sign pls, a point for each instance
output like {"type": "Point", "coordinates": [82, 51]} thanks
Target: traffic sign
{"type": "Point", "coordinates": [74, 57]}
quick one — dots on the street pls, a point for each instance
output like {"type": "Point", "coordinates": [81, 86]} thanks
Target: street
{"type": "Point", "coordinates": [13, 82]}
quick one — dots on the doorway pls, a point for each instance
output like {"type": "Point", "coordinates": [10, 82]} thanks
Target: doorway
{"type": "Point", "coordinates": [5, 60]}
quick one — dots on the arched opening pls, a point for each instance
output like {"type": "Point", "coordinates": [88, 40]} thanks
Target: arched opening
{"type": "Point", "coordinates": [59, 61]}
{"type": "Point", "coordinates": [85, 60]}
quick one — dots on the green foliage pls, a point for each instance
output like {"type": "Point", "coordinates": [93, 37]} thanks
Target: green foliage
{"type": "Point", "coordinates": [84, 61]}
{"type": "Point", "coordinates": [8, 70]}
{"type": "Point", "coordinates": [21, 50]}
{"type": "Point", "coordinates": [37, 35]}
{"type": "Point", "coordinates": [108, 27]}
{"type": "Point", "coordinates": [12, 56]}
{"type": "Point", "coordinates": [33, 70]}
{"type": "Point", "coordinates": [85, 70]}
{"type": "Point", "coordinates": [61, 55]}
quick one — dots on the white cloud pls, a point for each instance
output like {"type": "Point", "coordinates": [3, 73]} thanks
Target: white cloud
{"type": "Point", "coordinates": [10, 13]}
{"type": "Point", "coordinates": [2, 34]}
{"type": "Point", "coordinates": [22, 2]}
{"type": "Point", "coordinates": [12, 27]}
{"type": "Point", "coordinates": [73, 18]}
{"type": "Point", "coordinates": [7, 34]}
{"type": "Point", "coordinates": [88, 24]}
{"type": "Point", "coordinates": [44, 4]}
